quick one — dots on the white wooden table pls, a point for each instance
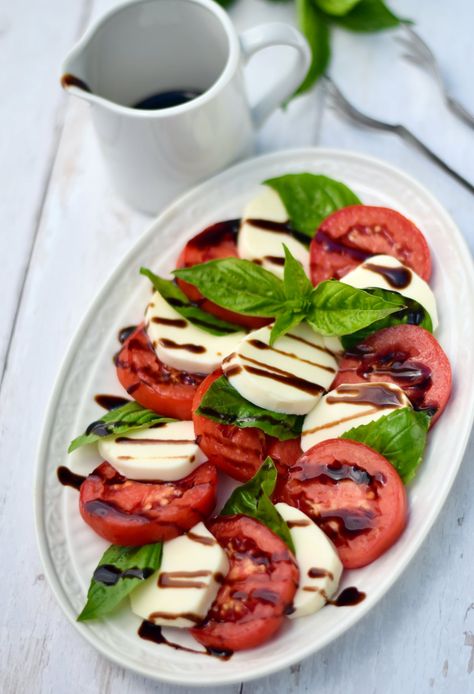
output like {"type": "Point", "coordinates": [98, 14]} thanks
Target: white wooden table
{"type": "Point", "coordinates": [62, 232]}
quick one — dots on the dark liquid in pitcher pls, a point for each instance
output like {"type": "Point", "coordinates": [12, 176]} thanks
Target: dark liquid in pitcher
{"type": "Point", "coordinates": [174, 97]}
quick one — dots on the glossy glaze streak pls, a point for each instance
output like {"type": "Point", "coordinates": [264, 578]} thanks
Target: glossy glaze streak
{"type": "Point", "coordinates": [376, 394]}
{"type": "Point", "coordinates": [111, 402]}
{"type": "Point", "coordinates": [397, 277]}
{"type": "Point", "coordinates": [109, 575]}
{"type": "Point", "coordinates": [279, 228]}
{"type": "Point", "coordinates": [68, 478]}
{"type": "Point", "coordinates": [152, 632]}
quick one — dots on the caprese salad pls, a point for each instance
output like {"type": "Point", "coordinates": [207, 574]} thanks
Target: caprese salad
{"type": "Point", "coordinates": [293, 351]}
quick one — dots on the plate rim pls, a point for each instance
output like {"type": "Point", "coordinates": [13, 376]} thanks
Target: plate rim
{"type": "Point", "coordinates": [48, 424]}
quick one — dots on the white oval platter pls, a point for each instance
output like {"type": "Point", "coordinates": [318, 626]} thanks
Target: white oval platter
{"type": "Point", "coordinates": [70, 550]}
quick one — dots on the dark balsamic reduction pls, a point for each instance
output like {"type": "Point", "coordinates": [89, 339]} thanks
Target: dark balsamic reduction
{"type": "Point", "coordinates": [153, 632]}
{"type": "Point", "coordinates": [109, 575]}
{"type": "Point", "coordinates": [124, 333]}
{"type": "Point", "coordinates": [68, 80]}
{"type": "Point", "coordinates": [166, 99]}
{"type": "Point", "coordinates": [379, 395]}
{"type": "Point", "coordinates": [397, 277]}
{"type": "Point", "coordinates": [349, 596]}
{"type": "Point", "coordinates": [275, 259]}
{"type": "Point", "coordinates": [174, 322]}
{"type": "Point", "coordinates": [188, 347]}
{"type": "Point", "coordinates": [259, 344]}
{"type": "Point", "coordinates": [216, 234]}
{"type": "Point", "coordinates": [340, 246]}
{"type": "Point", "coordinates": [182, 579]}
{"type": "Point", "coordinates": [279, 228]}
{"type": "Point", "coordinates": [68, 478]}
{"type": "Point", "coordinates": [111, 402]}
{"type": "Point", "coordinates": [315, 572]}
{"type": "Point", "coordinates": [290, 380]}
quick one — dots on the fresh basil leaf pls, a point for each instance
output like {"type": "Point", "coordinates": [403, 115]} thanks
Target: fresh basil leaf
{"type": "Point", "coordinates": [370, 15]}
{"type": "Point", "coordinates": [223, 404]}
{"type": "Point", "coordinates": [411, 313]}
{"type": "Point", "coordinates": [129, 417]}
{"type": "Point", "coordinates": [399, 436]}
{"type": "Point", "coordinates": [237, 285]}
{"type": "Point", "coordinates": [339, 309]}
{"type": "Point", "coordinates": [253, 499]}
{"type": "Point", "coordinates": [120, 570]}
{"type": "Point", "coordinates": [180, 302]}
{"type": "Point", "coordinates": [310, 198]}
{"type": "Point", "coordinates": [296, 284]}
{"type": "Point", "coordinates": [315, 28]}
{"type": "Point", "coordinates": [336, 7]}
{"type": "Point", "coordinates": [283, 324]}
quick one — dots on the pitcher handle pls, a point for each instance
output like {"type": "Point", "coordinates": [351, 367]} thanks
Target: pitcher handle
{"type": "Point", "coordinates": [276, 34]}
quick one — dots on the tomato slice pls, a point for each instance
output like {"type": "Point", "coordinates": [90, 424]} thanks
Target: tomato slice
{"type": "Point", "coordinates": [151, 383]}
{"type": "Point", "coordinates": [355, 496]}
{"type": "Point", "coordinates": [126, 512]}
{"type": "Point", "coordinates": [350, 235]}
{"type": "Point", "coordinates": [257, 591]}
{"type": "Point", "coordinates": [236, 451]}
{"type": "Point", "coordinates": [217, 241]}
{"type": "Point", "coordinates": [406, 355]}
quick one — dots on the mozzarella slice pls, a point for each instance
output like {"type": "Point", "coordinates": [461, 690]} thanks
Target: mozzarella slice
{"type": "Point", "coordinates": [347, 406]}
{"type": "Point", "coordinates": [262, 233]}
{"type": "Point", "coordinates": [387, 272]}
{"type": "Point", "coordinates": [164, 452]}
{"type": "Point", "coordinates": [288, 377]}
{"type": "Point", "coordinates": [182, 345]}
{"type": "Point", "coordinates": [181, 592]}
{"type": "Point", "coordinates": [318, 562]}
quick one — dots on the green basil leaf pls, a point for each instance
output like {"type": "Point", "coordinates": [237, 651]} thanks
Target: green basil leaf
{"type": "Point", "coordinates": [339, 309]}
{"type": "Point", "coordinates": [399, 436]}
{"type": "Point", "coordinates": [370, 15]}
{"type": "Point", "coordinates": [296, 284]}
{"type": "Point", "coordinates": [315, 28]}
{"type": "Point", "coordinates": [411, 313]}
{"type": "Point", "coordinates": [310, 198]}
{"type": "Point", "coordinates": [180, 302]}
{"type": "Point", "coordinates": [237, 285]}
{"type": "Point", "coordinates": [336, 7]}
{"type": "Point", "coordinates": [223, 404]}
{"type": "Point", "coordinates": [129, 417]}
{"type": "Point", "coordinates": [283, 324]}
{"type": "Point", "coordinates": [253, 499]}
{"type": "Point", "coordinates": [123, 569]}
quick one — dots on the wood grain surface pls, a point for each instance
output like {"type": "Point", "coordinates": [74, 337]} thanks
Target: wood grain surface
{"type": "Point", "coordinates": [62, 232]}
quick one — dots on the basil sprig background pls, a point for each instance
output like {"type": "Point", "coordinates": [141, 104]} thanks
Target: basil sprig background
{"type": "Point", "coordinates": [223, 404]}
{"type": "Point", "coordinates": [399, 436]}
{"type": "Point", "coordinates": [331, 308]}
{"type": "Point", "coordinates": [253, 499]}
{"type": "Point", "coordinates": [129, 417]}
{"type": "Point", "coordinates": [316, 17]}
{"type": "Point", "coordinates": [123, 563]}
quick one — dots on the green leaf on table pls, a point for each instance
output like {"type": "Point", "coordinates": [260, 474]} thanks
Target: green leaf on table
{"type": "Point", "coordinates": [120, 570]}
{"type": "Point", "coordinates": [238, 285]}
{"type": "Point", "coordinates": [310, 198]}
{"type": "Point", "coordinates": [339, 309]}
{"type": "Point", "coordinates": [253, 499]}
{"type": "Point", "coordinates": [336, 7]}
{"type": "Point", "coordinates": [316, 30]}
{"type": "Point", "coordinates": [121, 420]}
{"type": "Point", "coordinates": [411, 312]}
{"type": "Point", "coordinates": [178, 300]}
{"type": "Point", "coordinates": [399, 436]}
{"type": "Point", "coordinates": [223, 404]}
{"type": "Point", "coordinates": [368, 16]}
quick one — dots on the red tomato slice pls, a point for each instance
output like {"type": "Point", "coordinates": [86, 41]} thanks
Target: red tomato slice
{"type": "Point", "coordinates": [350, 235]}
{"type": "Point", "coordinates": [126, 512]}
{"type": "Point", "coordinates": [408, 356]}
{"type": "Point", "coordinates": [355, 496]}
{"type": "Point", "coordinates": [239, 452]}
{"type": "Point", "coordinates": [257, 591]}
{"type": "Point", "coordinates": [154, 385]}
{"type": "Point", "coordinates": [217, 241]}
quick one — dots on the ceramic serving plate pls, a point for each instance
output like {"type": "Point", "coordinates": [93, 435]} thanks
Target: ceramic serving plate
{"type": "Point", "coordinates": [70, 550]}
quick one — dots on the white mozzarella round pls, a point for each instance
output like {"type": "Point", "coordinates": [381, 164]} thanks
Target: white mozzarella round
{"type": "Point", "coordinates": [264, 245]}
{"type": "Point", "coordinates": [182, 591]}
{"type": "Point", "coordinates": [288, 377]}
{"type": "Point", "coordinates": [373, 273]}
{"type": "Point", "coordinates": [182, 345]}
{"type": "Point", "coordinates": [317, 559]}
{"type": "Point", "coordinates": [165, 452]}
{"type": "Point", "coordinates": [347, 406]}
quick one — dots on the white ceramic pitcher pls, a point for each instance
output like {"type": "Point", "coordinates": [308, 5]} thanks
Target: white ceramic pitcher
{"type": "Point", "coordinates": [149, 46]}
